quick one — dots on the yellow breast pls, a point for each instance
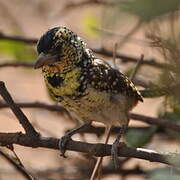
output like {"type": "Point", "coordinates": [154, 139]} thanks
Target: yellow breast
{"type": "Point", "coordinates": [68, 86]}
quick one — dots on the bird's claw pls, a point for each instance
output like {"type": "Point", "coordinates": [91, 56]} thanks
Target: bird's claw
{"type": "Point", "coordinates": [114, 152]}
{"type": "Point", "coordinates": [62, 144]}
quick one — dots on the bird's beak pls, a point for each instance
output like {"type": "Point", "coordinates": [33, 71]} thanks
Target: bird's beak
{"type": "Point", "coordinates": [45, 59]}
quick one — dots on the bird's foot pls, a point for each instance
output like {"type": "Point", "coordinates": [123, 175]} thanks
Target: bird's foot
{"type": "Point", "coordinates": [114, 152]}
{"type": "Point", "coordinates": [63, 141]}
{"type": "Point", "coordinates": [116, 145]}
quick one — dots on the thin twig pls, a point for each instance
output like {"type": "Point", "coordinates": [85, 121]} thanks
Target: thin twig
{"type": "Point", "coordinates": [125, 58]}
{"type": "Point", "coordinates": [135, 70]}
{"type": "Point", "coordinates": [164, 123]}
{"type": "Point", "coordinates": [114, 55]}
{"type": "Point", "coordinates": [42, 105]}
{"type": "Point", "coordinates": [19, 168]}
{"type": "Point", "coordinates": [29, 129]}
{"type": "Point", "coordinates": [17, 64]}
{"type": "Point", "coordinates": [17, 38]}
{"type": "Point", "coordinates": [129, 34]}
{"type": "Point", "coordinates": [100, 159]}
{"type": "Point", "coordinates": [121, 36]}
{"type": "Point", "coordinates": [11, 147]}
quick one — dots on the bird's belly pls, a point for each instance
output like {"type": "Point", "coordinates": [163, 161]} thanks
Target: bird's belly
{"type": "Point", "coordinates": [99, 106]}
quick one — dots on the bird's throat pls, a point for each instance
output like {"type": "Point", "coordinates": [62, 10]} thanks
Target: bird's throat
{"type": "Point", "coordinates": [63, 84]}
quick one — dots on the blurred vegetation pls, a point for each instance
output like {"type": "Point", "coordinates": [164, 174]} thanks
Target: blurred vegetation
{"type": "Point", "coordinates": [90, 21]}
{"type": "Point", "coordinates": [17, 51]}
{"type": "Point", "coordinates": [173, 115]}
{"type": "Point", "coordinates": [140, 137]}
{"type": "Point", "coordinates": [166, 173]}
{"type": "Point", "coordinates": [148, 10]}
{"type": "Point", "coordinates": [159, 20]}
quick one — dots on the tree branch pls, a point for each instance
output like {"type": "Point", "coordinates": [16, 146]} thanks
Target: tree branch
{"type": "Point", "coordinates": [97, 149]}
{"type": "Point", "coordinates": [17, 64]}
{"type": "Point", "coordinates": [164, 123]}
{"type": "Point", "coordinates": [29, 129]}
{"type": "Point", "coordinates": [19, 168]}
{"type": "Point", "coordinates": [125, 59]}
{"type": "Point", "coordinates": [42, 105]}
{"type": "Point", "coordinates": [18, 38]}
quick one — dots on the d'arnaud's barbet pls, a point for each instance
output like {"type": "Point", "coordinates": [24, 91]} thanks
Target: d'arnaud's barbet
{"type": "Point", "coordinates": [82, 83]}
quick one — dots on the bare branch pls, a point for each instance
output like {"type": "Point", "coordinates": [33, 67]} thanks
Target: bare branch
{"type": "Point", "coordinates": [121, 36]}
{"type": "Point", "coordinates": [46, 106]}
{"type": "Point", "coordinates": [125, 58]}
{"type": "Point", "coordinates": [17, 38]}
{"type": "Point", "coordinates": [135, 70]}
{"type": "Point", "coordinates": [164, 123]}
{"type": "Point", "coordinates": [97, 149]}
{"type": "Point", "coordinates": [29, 129]}
{"type": "Point", "coordinates": [19, 168]}
{"type": "Point", "coordinates": [17, 64]}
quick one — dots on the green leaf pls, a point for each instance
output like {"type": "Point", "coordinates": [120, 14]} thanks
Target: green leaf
{"type": "Point", "coordinates": [147, 10]}
{"type": "Point", "coordinates": [17, 51]}
{"type": "Point", "coordinates": [139, 137]}
{"type": "Point", "coordinates": [164, 174]}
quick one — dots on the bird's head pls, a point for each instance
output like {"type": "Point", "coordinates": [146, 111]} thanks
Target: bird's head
{"type": "Point", "coordinates": [59, 47]}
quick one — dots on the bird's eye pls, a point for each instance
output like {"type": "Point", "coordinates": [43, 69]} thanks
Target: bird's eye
{"type": "Point", "coordinates": [57, 49]}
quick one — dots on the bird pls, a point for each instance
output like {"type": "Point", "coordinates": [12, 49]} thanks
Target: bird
{"type": "Point", "coordinates": [83, 83]}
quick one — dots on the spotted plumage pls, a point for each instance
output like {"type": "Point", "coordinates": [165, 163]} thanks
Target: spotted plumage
{"type": "Point", "coordinates": [84, 84]}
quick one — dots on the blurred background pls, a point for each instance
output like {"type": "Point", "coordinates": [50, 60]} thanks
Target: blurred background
{"type": "Point", "coordinates": [151, 28]}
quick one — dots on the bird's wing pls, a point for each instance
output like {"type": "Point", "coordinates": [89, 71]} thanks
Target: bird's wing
{"type": "Point", "coordinates": [103, 77]}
